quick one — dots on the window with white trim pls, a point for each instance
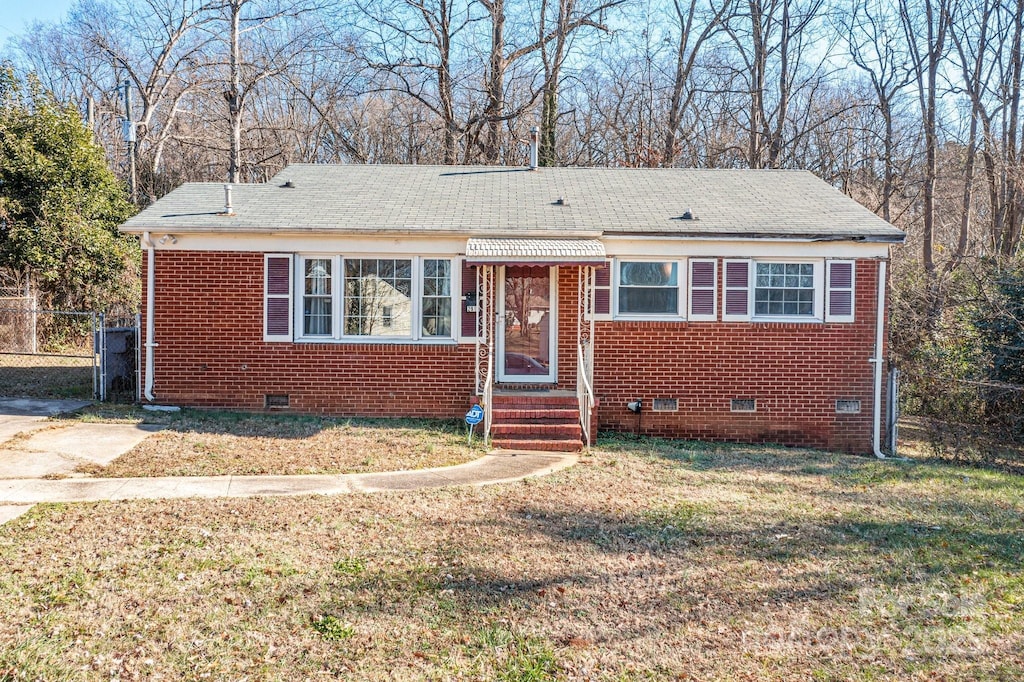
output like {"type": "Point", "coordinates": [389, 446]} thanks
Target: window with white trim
{"type": "Point", "coordinates": [648, 288]}
{"type": "Point", "coordinates": [770, 290]}
{"type": "Point", "coordinates": [317, 299]}
{"type": "Point", "coordinates": [437, 297]}
{"type": "Point", "coordinates": [371, 285]}
{"type": "Point", "coordinates": [367, 298]}
{"type": "Point", "coordinates": [784, 290]}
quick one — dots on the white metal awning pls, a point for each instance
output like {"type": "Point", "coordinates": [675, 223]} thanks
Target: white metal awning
{"type": "Point", "coordinates": [512, 251]}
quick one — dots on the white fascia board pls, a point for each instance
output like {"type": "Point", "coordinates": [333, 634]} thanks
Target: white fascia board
{"type": "Point", "coordinates": [629, 246]}
{"type": "Point", "coordinates": [349, 245]}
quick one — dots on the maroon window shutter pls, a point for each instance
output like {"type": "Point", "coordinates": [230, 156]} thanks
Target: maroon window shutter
{"type": "Point", "coordinates": [468, 287]}
{"type": "Point", "coordinates": [278, 298]}
{"type": "Point", "coordinates": [603, 289]}
{"type": "Point", "coordinates": [737, 290]}
{"type": "Point", "coordinates": [840, 291]}
{"type": "Point", "coordinates": [702, 290]}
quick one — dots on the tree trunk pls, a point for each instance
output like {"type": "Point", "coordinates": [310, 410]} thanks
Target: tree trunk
{"type": "Point", "coordinates": [552, 74]}
{"type": "Point", "coordinates": [495, 83]}
{"type": "Point", "coordinates": [757, 82]}
{"type": "Point", "coordinates": [1011, 234]}
{"type": "Point", "coordinates": [445, 86]}
{"type": "Point", "coordinates": [234, 94]}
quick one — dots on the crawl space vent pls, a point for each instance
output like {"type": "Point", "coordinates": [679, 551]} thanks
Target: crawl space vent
{"type": "Point", "coordinates": [275, 402]}
{"type": "Point", "coordinates": [744, 405]}
{"type": "Point", "coordinates": [848, 406]}
{"type": "Point", "coordinates": [665, 405]}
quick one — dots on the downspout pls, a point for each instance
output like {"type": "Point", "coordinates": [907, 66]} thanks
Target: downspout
{"type": "Point", "coordinates": [878, 360]}
{"type": "Point", "coordinates": [150, 344]}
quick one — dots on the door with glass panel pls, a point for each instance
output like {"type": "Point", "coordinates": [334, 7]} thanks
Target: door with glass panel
{"type": "Point", "coordinates": [526, 325]}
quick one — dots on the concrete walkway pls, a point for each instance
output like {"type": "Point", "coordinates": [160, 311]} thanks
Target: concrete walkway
{"type": "Point", "coordinates": [35, 455]}
{"type": "Point", "coordinates": [499, 467]}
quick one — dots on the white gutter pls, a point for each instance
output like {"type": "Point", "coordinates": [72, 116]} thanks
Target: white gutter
{"type": "Point", "coordinates": [876, 410]}
{"type": "Point", "coordinates": [150, 344]}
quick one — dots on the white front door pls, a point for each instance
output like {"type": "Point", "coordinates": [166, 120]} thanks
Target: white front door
{"type": "Point", "coordinates": [527, 329]}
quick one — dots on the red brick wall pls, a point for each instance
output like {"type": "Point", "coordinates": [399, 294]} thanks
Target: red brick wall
{"type": "Point", "coordinates": [209, 316]}
{"type": "Point", "coordinates": [209, 327]}
{"type": "Point", "coordinates": [795, 372]}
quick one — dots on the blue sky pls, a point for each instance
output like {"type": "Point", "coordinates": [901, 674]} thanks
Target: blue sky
{"type": "Point", "coordinates": [16, 15]}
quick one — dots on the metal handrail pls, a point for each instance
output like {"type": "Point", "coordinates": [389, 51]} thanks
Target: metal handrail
{"type": "Point", "coordinates": [486, 399]}
{"type": "Point", "coordinates": [584, 392]}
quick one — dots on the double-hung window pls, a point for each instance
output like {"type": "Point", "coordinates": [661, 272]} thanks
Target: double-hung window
{"type": "Point", "coordinates": [369, 297]}
{"type": "Point", "coordinates": [648, 288]}
{"type": "Point", "coordinates": [317, 298]}
{"type": "Point", "coordinates": [784, 290]}
{"type": "Point", "coordinates": [773, 290]}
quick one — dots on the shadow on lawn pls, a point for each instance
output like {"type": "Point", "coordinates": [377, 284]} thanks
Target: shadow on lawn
{"type": "Point", "coordinates": [907, 577]}
{"type": "Point", "coordinates": [955, 549]}
{"type": "Point", "coordinates": [840, 468]}
{"type": "Point", "coordinates": [263, 424]}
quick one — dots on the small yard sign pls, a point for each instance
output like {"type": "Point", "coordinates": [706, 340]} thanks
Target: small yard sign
{"type": "Point", "coordinates": [473, 417]}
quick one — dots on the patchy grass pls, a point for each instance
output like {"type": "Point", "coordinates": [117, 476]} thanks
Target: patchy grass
{"type": "Point", "coordinates": [213, 443]}
{"type": "Point", "coordinates": [46, 376]}
{"type": "Point", "coordinates": [664, 561]}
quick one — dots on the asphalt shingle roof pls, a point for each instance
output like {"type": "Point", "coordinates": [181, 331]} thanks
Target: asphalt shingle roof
{"type": "Point", "coordinates": [488, 201]}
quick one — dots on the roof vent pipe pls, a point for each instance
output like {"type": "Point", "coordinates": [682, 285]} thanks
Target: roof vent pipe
{"type": "Point", "coordinates": [534, 146]}
{"type": "Point", "coordinates": [227, 200]}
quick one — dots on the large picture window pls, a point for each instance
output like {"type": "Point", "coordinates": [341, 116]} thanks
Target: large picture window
{"type": "Point", "coordinates": [378, 297]}
{"type": "Point", "coordinates": [784, 289]}
{"type": "Point", "coordinates": [648, 288]}
{"type": "Point", "coordinates": [388, 298]}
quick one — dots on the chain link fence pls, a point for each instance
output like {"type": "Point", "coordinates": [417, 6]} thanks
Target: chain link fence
{"type": "Point", "coordinates": [973, 422]}
{"type": "Point", "coordinates": [66, 354]}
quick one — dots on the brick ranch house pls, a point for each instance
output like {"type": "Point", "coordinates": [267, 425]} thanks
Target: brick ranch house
{"type": "Point", "coordinates": [729, 305]}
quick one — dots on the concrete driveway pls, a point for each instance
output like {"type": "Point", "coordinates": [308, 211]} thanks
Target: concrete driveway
{"type": "Point", "coordinates": [23, 414]}
{"type": "Point", "coordinates": [33, 447]}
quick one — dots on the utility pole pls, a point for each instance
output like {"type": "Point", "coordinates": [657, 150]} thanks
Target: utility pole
{"type": "Point", "coordinates": [129, 138]}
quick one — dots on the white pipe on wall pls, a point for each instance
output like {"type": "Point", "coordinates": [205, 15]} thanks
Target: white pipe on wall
{"type": "Point", "coordinates": [878, 360]}
{"type": "Point", "coordinates": [150, 344]}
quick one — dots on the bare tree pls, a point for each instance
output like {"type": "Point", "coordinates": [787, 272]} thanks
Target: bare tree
{"type": "Point", "coordinates": [870, 27]}
{"type": "Point", "coordinates": [555, 37]}
{"type": "Point", "coordinates": [266, 59]}
{"type": "Point", "coordinates": [926, 53]}
{"type": "Point", "coordinates": [772, 38]}
{"type": "Point", "coordinates": [688, 49]}
{"type": "Point", "coordinates": [411, 45]}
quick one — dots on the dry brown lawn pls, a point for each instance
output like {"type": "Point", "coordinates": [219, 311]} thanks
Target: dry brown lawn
{"type": "Point", "coordinates": [46, 376]}
{"type": "Point", "coordinates": [208, 443]}
{"type": "Point", "coordinates": [649, 560]}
